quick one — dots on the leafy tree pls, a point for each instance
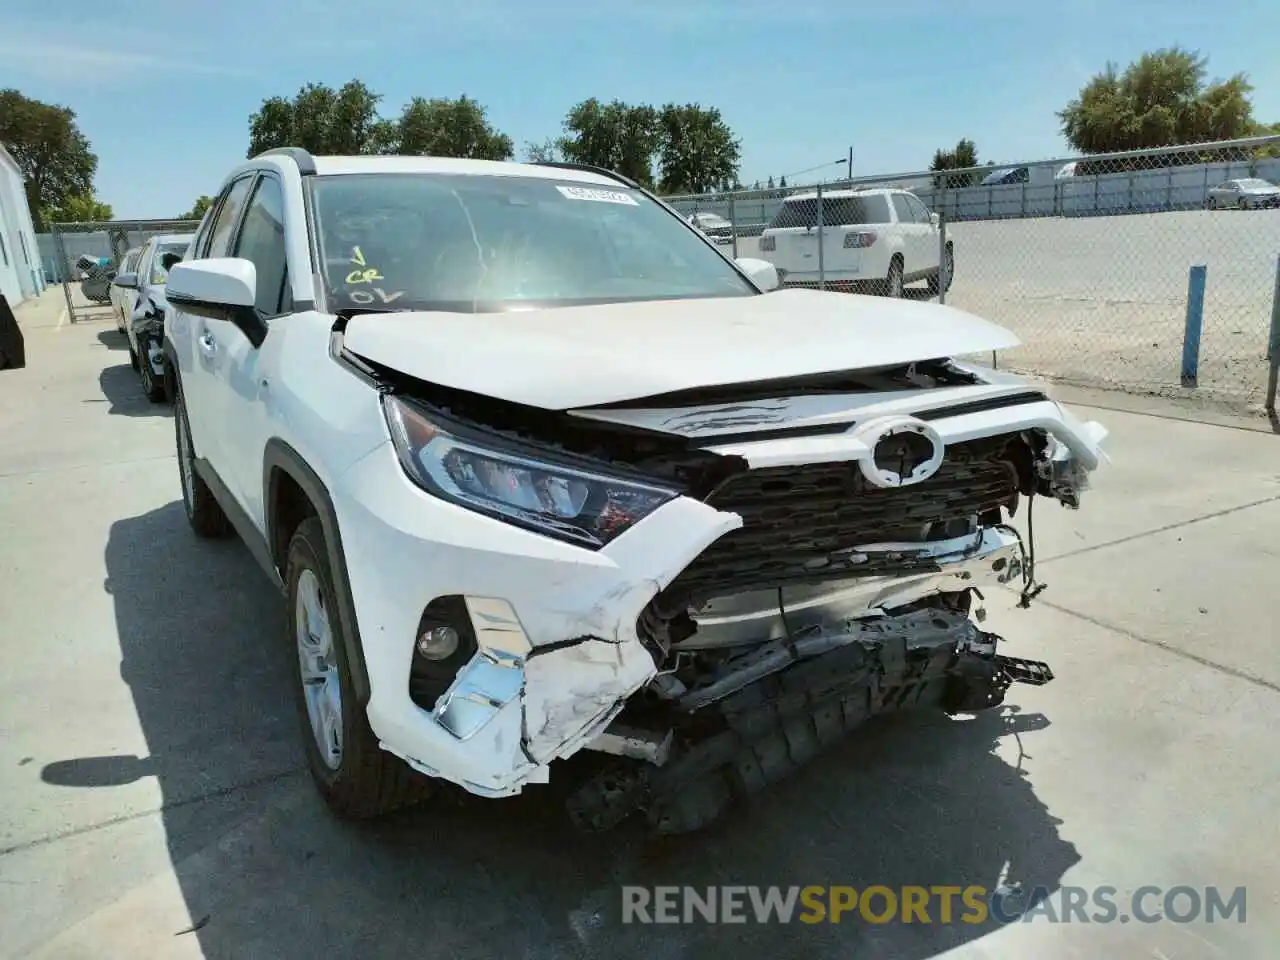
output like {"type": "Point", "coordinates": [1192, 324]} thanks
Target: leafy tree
{"type": "Point", "coordinates": [782, 183]}
{"type": "Point", "coordinates": [198, 209]}
{"type": "Point", "coordinates": [79, 208]}
{"type": "Point", "coordinates": [548, 151]}
{"type": "Point", "coordinates": [769, 183]}
{"type": "Point", "coordinates": [616, 136]}
{"type": "Point", "coordinates": [961, 157]}
{"type": "Point", "coordinates": [319, 119]}
{"type": "Point", "coordinates": [50, 150]}
{"type": "Point", "coordinates": [697, 150]}
{"type": "Point", "coordinates": [447, 128]}
{"type": "Point", "coordinates": [1160, 99]}
{"type": "Point", "coordinates": [346, 122]}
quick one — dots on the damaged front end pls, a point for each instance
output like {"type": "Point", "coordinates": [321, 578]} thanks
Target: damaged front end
{"type": "Point", "coordinates": [812, 561]}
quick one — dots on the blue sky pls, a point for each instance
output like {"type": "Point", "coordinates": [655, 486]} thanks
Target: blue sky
{"type": "Point", "coordinates": [164, 91]}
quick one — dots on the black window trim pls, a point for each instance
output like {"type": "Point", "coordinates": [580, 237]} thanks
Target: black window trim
{"type": "Point", "coordinates": [287, 287]}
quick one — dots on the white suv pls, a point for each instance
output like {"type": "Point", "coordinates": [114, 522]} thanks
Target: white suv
{"type": "Point", "coordinates": [873, 241]}
{"type": "Point", "coordinates": [538, 468]}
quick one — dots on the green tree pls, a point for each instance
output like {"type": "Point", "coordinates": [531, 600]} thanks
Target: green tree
{"type": "Point", "coordinates": [198, 209]}
{"type": "Point", "coordinates": [447, 128]}
{"type": "Point", "coordinates": [79, 208]}
{"type": "Point", "coordinates": [616, 136]}
{"type": "Point", "coordinates": [782, 183]}
{"type": "Point", "coordinates": [697, 150]}
{"type": "Point", "coordinates": [963, 156]}
{"type": "Point", "coordinates": [50, 150]}
{"type": "Point", "coordinates": [1160, 99]}
{"type": "Point", "coordinates": [319, 119]}
{"type": "Point", "coordinates": [548, 151]}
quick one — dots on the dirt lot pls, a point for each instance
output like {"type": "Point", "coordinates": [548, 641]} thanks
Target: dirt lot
{"type": "Point", "coordinates": [1102, 300]}
{"type": "Point", "coordinates": [152, 802]}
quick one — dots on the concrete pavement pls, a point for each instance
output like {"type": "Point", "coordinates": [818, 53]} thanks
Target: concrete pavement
{"type": "Point", "coordinates": [152, 801]}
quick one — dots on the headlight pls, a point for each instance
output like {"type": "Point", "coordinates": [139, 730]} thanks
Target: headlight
{"type": "Point", "coordinates": [560, 500]}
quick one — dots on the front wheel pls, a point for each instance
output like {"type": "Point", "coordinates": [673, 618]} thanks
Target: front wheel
{"type": "Point", "coordinates": [948, 270]}
{"type": "Point", "coordinates": [1244, 204]}
{"type": "Point", "coordinates": [356, 777]}
{"type": "Point", "coordinates": [152, 386]}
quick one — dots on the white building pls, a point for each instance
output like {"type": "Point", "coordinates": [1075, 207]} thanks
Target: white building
{"type": "Point", "coordinates": [21, 275]}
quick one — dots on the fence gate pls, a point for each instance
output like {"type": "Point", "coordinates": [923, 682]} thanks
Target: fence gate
{"type": "Point", "coordinates": [91, 253]}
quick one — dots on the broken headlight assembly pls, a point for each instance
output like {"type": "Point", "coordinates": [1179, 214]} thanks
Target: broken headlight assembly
{"type": "Point", "coordinates": [484, 474]}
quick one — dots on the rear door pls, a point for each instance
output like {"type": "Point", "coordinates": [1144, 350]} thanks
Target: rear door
{"type": "Point", "coordinates": [910, 231]}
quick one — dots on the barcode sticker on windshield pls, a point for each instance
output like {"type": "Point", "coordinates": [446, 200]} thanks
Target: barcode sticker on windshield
{"type": "Point", "coordinates": [599, 196]}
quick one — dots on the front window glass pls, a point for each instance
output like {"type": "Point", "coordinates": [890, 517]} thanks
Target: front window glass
{"type": "Point", "coordinates": [487, 243]}
{"type": "Point", "coordinates": [158, 273]}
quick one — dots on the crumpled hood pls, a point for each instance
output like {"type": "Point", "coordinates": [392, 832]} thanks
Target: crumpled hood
{"type": "Point", "coordinates": [569, 357]}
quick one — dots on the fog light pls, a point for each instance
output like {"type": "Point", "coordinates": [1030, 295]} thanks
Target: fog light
{"type": "Point", "coordinates": [438, 643]}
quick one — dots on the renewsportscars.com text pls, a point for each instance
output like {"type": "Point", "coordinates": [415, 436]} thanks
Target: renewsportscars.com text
{"type": "Point", "coordinates": [973, 904]}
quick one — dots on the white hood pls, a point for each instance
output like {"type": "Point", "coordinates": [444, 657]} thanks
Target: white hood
{"type": "Point", "coordinates": [585, 356]}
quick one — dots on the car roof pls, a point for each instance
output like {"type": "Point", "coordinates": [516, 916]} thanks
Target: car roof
{"type": "Point", "coordinates": [338, 166]}
{"type": "Point", "coordinates": [171, 238]}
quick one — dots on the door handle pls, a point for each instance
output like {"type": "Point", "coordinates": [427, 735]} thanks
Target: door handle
{"type": "Point", "coordinates": [207, 345]}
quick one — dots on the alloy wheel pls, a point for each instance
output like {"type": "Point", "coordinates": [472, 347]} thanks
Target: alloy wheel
{"type": "Point", "coordinates": [318, 664]}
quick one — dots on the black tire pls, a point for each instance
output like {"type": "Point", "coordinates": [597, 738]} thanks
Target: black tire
{"type": "Point", "coordinates": [1244, 204]}
{"type": "Point", "coordinates": [202, 509]}
{"type": "Point", "coordinates": [892, 285]}
{"type": "Point", "coordinates": [133, 356]}
{"type": "Point", "coordinates": [368, 782]}
{"type": "Point", "coordinates": [949, 267]}
{"type": "Point", "coordinates": [152, 387]}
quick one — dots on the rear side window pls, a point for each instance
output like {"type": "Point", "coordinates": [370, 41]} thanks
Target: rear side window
{"type": "Point", "coordinates": [836, 211]}
{"type": "Point", "coordinates": [902, 209]}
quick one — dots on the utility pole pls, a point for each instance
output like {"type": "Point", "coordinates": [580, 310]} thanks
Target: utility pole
{"type": "Point", "coordinates": [851, 163]}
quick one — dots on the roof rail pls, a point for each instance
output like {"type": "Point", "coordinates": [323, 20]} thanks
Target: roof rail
{"type": "Point", "coordinates": [588, 168]}
{"type": "Point", "coordinates": [306, 163]}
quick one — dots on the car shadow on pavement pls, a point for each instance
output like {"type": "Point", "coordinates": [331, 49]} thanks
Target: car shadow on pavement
{"type": "Point", "coordinates": [113, 339]}
{"type": "Point", "coordinates": [122, 389]}
{"type": "Point", "coordinates": [914, 799]}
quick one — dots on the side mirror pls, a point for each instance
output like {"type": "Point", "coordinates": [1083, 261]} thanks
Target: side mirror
{"type": "Point", "coordinates": [762, 273]}
{"type": "Point", "coordinates": [935, 219]}
{"type": "Point", "coordinates": [220, 288]}
{"type": "Point", "coordinates": [129, 281]}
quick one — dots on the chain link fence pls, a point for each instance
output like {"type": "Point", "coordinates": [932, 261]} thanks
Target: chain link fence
{"type": "Point", "coordinates": [1093, 262]}
{"type": "Point", "coordinates": [85, 256]}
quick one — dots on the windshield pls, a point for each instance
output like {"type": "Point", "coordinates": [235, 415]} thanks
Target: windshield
{"type": "Point", "coordinates": [488, 243]}
{"type": "Point", "coordinates": [158, 273]}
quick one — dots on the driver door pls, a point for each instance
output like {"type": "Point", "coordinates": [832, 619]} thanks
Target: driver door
{"type": "Point", "coordinates": [199, 362]}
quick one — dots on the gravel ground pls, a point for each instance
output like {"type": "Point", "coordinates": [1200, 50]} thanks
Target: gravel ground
{"type": "Point", "coordinates": [1101, 300]}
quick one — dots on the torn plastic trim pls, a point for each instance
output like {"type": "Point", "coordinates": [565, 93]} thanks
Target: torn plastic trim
{"type": "Point", "coordinates": [1082, 440]}
{"type": "Point", "coordinates": [994, 555]}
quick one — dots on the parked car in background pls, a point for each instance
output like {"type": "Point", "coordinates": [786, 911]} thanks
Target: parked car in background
{"type": "Point", "coordinates": [873, 241]}
{"type": "Point", "coordinates": [714, 226]}
{"type": "Point", "coordinates": [123, 298]}
{"type": "Point", "coordinates": [498, 433]}
{"type": "Point", "coordinates": [1011, 175]}
{"type": "Point", "coordinates": [145, 328]}
{"type": "Point", "coordinates": [1246, 193]}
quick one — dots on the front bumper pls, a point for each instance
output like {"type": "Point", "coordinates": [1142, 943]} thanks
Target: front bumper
{"type": "Point", "coordinates": [559, 651]}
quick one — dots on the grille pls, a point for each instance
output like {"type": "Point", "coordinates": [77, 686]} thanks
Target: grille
{"type": "Point", "coordinates": [797, 520]}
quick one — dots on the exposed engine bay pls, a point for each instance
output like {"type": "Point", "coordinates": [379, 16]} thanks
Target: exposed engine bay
{"type": "Point", "coordinates": [875, 506]}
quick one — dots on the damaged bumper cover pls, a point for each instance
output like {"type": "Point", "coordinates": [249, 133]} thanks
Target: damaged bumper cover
{"type": "Point", "coordinates": [558, 649]}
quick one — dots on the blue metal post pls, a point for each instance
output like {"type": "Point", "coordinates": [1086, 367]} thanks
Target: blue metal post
{"type": "Point", "coordinates": [1195, 322]}
{"type": "Point", "coordinates": [1273, 345]}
